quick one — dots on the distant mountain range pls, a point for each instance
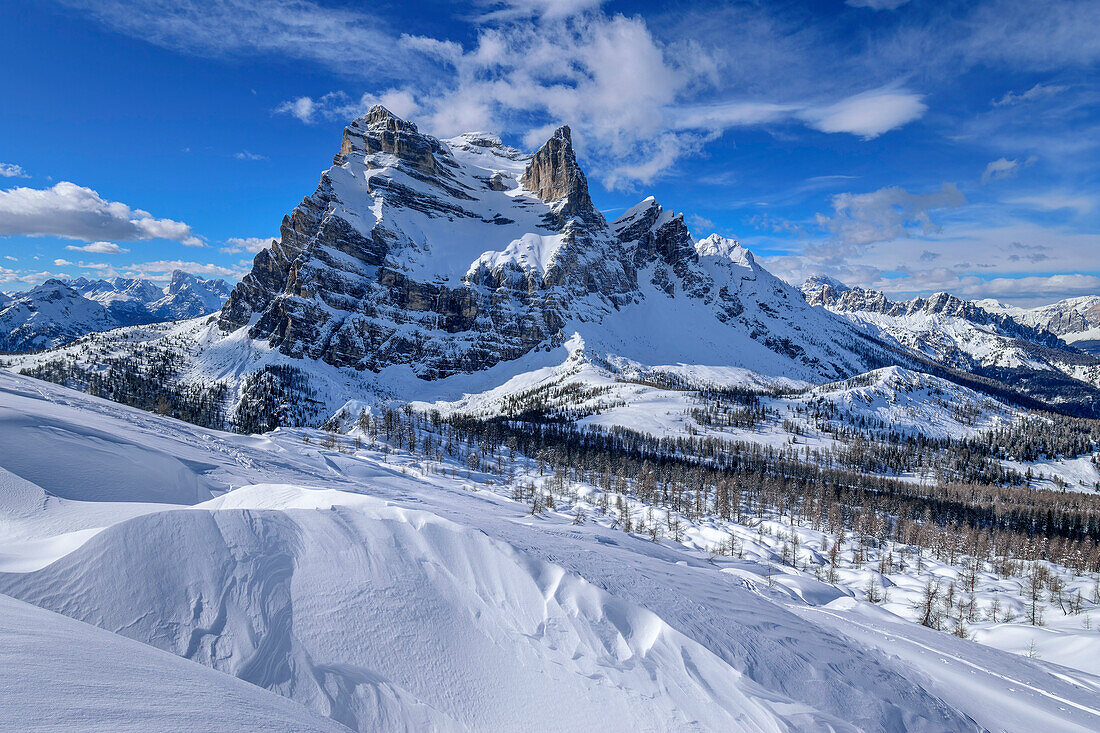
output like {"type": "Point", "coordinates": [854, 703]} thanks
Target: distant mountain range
{"type": "Point", "coordinates": [971, 337]}
{"type": "Point", "coordinates": [1075, 320]}
{"type": "Point", "coordinates": [59, 311]}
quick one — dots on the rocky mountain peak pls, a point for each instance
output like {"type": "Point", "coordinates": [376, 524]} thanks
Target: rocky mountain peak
{"type": "Point", "coordinates": [716, 245]}
{"type": "Point", "coordinates": [381, 131]}
{"type": "Point", "coordinates": [554, 176]}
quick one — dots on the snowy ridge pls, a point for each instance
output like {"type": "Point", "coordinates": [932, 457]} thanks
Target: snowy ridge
{"type": "Point", "coordinates": [908, 402]}
{"type": "Point", "coordinates": [60, 311]}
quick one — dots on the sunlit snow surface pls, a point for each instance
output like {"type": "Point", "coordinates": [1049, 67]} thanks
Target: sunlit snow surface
{"type": "Point", "coordinates": [383, 595]}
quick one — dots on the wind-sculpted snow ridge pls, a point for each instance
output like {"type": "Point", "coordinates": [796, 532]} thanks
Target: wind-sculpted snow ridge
{"type": "Point", "coordinates": [392, 595]}
{"type": "Point", "coordinates": [384, 618]}
{"type": "Point", "coordinates": [61, 674]}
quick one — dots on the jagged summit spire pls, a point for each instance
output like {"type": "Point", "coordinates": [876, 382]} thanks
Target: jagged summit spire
{"type": "Point", "coordinates": [553, 175]}
{"type": "Point", "coordinates": [381, 131]}
{"type": "Point", "coordinates": [379, 117]}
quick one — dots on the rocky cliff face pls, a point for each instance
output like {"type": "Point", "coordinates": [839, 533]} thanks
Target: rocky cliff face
{"type": "Point", "coordinates": [554, 176]}
{"type": "Point", "coordinates": [392, 259]}
{"type": "Point", "coordinates": [454, 255]}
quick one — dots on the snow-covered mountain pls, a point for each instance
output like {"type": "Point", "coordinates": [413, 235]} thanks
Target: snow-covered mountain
{"type": "Point", "coordinates": [456, 255]}
{"type": "Point", "coordinates": [59, 311]}
{"type": "Point", "coordinates": [137, 301]}
{"type": "Point", "coordinates": [426, 269]}
{"type": "Point", "coordinates": [1076, 320]}
{"type": "Point", "coordinates": [50, 314]}
{"type": "Point", "coordinates": [964, 335]}
{"type": "Point", "coordinates": [636, 480]}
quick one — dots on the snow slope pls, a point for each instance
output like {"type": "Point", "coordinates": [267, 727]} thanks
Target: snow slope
{"type": "Point", "coordinates": [61, 674]}
{"type": "Point", "coordinates": [383, 594]}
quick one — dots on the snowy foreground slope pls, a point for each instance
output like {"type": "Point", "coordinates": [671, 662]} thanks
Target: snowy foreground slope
{"type": "Point", "coordinates": [386, 592]}
{"type": "Point", "coordinates": [61, 674]}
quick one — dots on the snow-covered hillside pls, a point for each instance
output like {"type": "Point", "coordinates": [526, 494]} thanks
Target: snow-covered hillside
{"type": "Point", "coordinates": [60, 311]}
{"type": "Point", "coordinates": [387, 590]}
{"type": "Point", "coordinates": [672, 402]}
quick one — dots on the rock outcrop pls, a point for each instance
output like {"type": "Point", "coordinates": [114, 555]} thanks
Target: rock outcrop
{"type": "Point", "coordinates": [554, 176]}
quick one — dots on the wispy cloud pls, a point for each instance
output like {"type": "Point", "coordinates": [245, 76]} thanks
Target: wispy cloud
{"type": "Point", "coordinates": [339, 106]}
{"type": "Point", "coordinates": [1003, 168]}
{"type": "Point", "coordinates": [349, 42]}
{"type": "Point", "coordinates": [246, 155]}
{"type": "Point", "coordinates": [11, 170]}
{"type": "Point", "coordinates": [1056, 201]}
{"type": "Point", "coordinates": [877, 4]}
{"type": "Point", "coordinates": [1038, 91]}
{"type": "Point", "coordinates": [885, 214]}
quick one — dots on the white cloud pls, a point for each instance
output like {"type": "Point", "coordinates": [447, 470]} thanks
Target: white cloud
{"type": "Point", "coordinates": [300, 107]}
{"type": "Point", "coordinates": [885, 214]}
{"type": "Point", "coordinates": [11, 170]}
{"type": "Point", "coordinates": [341, 107]}
{"type": "Point", "coordinates": [75, 212]}
{"type": "Point", "coordinates": [234, 245]}
{"type": "Point", "coordinates": [246, 155]}
{"type": "Point", "coordinates": [12, 276]}
{"type": "Point", "coordinates": [103, 248]}
{"type": "Point", "coordinates": [869, 114]}
{"type": "Point", "coordinates": [998, 169]}
{"type": "Point", "coordinates": [1036, 92]}
{"type": "Point", "coordinates": [1027, 290]}
{"type": "Point", "coordinates": [164, 268]}
{"type": "Point", "coordinates": [62, 263]}
{"type": "Point", "coordinates": [9, 257]}
{"type": "Point", "coordinates": [1057, 200]}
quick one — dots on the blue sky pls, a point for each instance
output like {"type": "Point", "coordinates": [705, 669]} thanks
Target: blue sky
{"type": "Point", "coordinates": [909, 146]}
